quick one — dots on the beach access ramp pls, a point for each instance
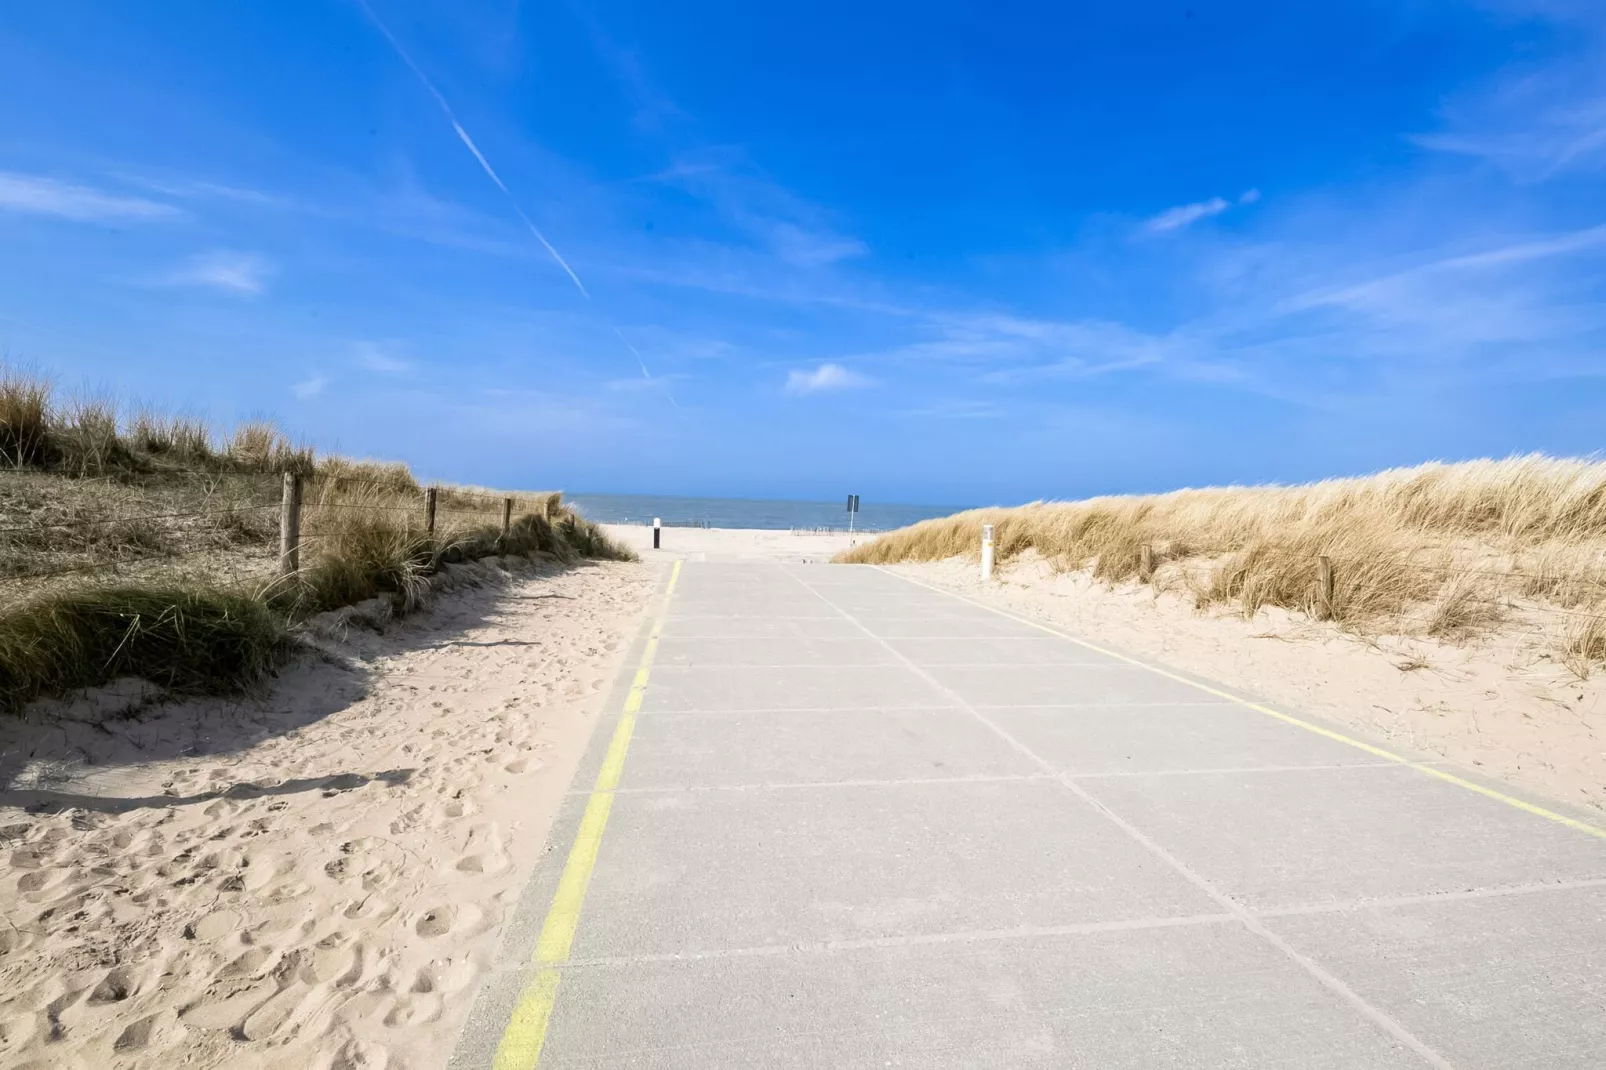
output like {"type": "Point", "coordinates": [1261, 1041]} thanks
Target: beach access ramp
{"type": "Point", "coordinates": [834, 818]}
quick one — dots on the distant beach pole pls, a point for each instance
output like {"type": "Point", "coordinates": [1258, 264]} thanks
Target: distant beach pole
{"type": "Point", "coordinates": [657, 528]}
{"type": "Point", "coordinates": [853, 509]}
{"type": "Point", "coordinates": [986, 552]}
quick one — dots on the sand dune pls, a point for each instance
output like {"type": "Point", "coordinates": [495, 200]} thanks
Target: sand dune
{"type": "Point", "coordinates": [315, 877]}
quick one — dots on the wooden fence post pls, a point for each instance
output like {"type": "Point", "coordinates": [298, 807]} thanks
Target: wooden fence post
{"type": "Point", "coordinates": [290, 525]}
{"type": "Point", "coordinates": [429, 510]}
{"type": "Point", "coordinates": [1146, 562]}
{"type": "Point", "coordinates": [507, 516]}
{"type": "Point", "coordinates": [1324, 588]}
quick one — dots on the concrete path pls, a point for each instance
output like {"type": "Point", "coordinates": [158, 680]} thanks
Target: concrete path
{"type": "Point", "coordinates": [855, 822]}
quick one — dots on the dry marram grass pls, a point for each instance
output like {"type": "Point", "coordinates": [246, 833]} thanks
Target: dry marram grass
{"type": "Point", "coordinates": [148, 546]}
{"type": "Point", "coordinates": [1449, 550]}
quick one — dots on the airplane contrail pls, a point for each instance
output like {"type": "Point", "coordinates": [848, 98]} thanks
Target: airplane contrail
{"type": "Point", "coordinates": [485, 165]}
{"type": "Point", "coordinates": [468, 143]}
{"type": "Point", "coordinates": [645, 374]}
{"type": "Point", "coordinates": [634, 352]}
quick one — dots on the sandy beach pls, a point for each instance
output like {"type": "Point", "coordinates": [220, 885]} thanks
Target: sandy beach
{"type": "Point", "coordinates": [311, 877]}
{"type": "Point", "coordinates": [734, 544]}
{"type": "Point", "coordinates": [317, 875]}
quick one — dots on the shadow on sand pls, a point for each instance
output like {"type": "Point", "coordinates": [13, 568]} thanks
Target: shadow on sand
{"type": "Point", "coordinates": [330, 676]}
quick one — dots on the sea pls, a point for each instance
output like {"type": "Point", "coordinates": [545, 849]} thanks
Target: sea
{"type": "Point", "coordinates": [768, 513]}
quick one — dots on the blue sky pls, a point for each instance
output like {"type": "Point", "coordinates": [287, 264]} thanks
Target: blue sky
{"type": "Point", "coordinates": [950, 252]}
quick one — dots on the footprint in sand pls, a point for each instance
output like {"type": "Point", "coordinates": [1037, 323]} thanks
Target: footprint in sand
{"type": "Point", "coordinates": [115, 987]}
{"type": "Point", "coordinates": [415, 1009]}
{"type": "Point", "coordinates": [437, 921]}
{"type": "Point", "coordinates": [272, 1016]}
{"type": "Point", "coordinates": [213, 926]}
{"type": "Point", "coordinates": [38, 881]}
{"type": "Point", "coordinates": [136, 1036]}
{"type": "Point", "coordinates": [226, 1009]}
{"type": "Point", "coordinates": [247, 964]}
{"type": "Point", "coordinates": [356, 1055]}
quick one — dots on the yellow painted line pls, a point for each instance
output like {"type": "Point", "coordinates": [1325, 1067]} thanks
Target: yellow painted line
{"type": "Point", "coordinates": [522, 1040]}
{"type": "Point", "coordinates": [1447, 777]}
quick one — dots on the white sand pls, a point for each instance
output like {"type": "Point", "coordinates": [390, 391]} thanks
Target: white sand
{"type": "Point", "coordinates": [1501, 706]}
{"type": "Point", "coordinates": [732, 544]}
{"type": "Point", "coordinates": [315, 878]}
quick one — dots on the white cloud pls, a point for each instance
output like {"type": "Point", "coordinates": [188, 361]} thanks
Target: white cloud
{"type": "Point", "coordinates": [1187, 214]}
{"type": "Point", "coordinates": [47, 196]}
{"type": "Point", "coordinates": [1184, 214]}
{"type": "Point", "coordinates": [825, 377]}
{"type": "Point", "coordinates": [310, 388]}
{"type": "Point", "coordinates": [372, 356]}
{"type": "Point", "coordinates": [810, 248]}
{"type": "Point", "coordinates": [245, 273]}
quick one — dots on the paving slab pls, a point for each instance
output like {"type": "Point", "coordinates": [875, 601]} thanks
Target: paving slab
{"type": "Point", "coordinates": [1016, 650]}
{"type": "Point", "coordinates": [714, 627]}
{"type": "Point", "coordinates": [1111, 739]}
{"type": "Point", "coordinates": [1108, 682]}
{"type": "Point", "coordinates": [980, 625]}
{"type": "Point", "coordinates": [713, 749]}
{"type": "Point", "coordinates": [773, 651]}
{"type": "Point", "coordinates": [1503, 982]}
{"type": "Point", "coordinates": [679, 688]}
{"type": "Point", "coordinates": [1191, 998]}
{"type": "Point", "coordinates": [1278, 839]}
{"type": "Point", "coordinates": [700, 871]}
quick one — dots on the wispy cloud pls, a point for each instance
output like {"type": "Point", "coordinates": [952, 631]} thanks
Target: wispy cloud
{"type": "Point", "coordinates": [375, 357]}
{"type": "Point", "coordinates": [791, 228]}
{"type": "Point", "coordinates": [198, 189]}
{"type": "Point", "coordinates": [1185, 214]}
{"type": "Point", "coordinates": [223, 269]}
{"type": "Point", "coordinates": [311, 387]}
{"type": "Point", "coordinates": [826, 377]}
{"type": "Point", "coordinates": [810, 248]}
{"type": "Point", "coordinates": [1413, 282]}
{"type": "Point", "coordinates": [1535, 121]}
{"type": "Point", "coordinates": [37, 195]}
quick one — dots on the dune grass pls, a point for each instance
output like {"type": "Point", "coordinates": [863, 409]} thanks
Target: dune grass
{"type": "Point", "coordinates": [1448, 550]}
{"type": "Point", "coordinates": [188, 641]}
{"type": "Point", "coordinates": [188, 519]}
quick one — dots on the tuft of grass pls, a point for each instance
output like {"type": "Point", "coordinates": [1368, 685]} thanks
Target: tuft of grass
{"type": "Point", "coordinates": [24, 418]}
{"type": "Point", "coordinates": [175, 438]}
{"type": "Point", "coordinates": [258, 446]}
{"type": "Point", "coordinates": [360, 541]}
{"type": "Point", "coordinates": [1585, 644]}
{"type": "Point", "coordinates": [1464, 606]}
{"type": "Point", "coordinates": [85, 439]}
{"type": "Point", "coordinates": [392, 474]}
{"type": "Point", "coordinates": [189, 641]}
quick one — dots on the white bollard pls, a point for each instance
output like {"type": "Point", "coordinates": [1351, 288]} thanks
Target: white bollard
{"type": "Point", "coordinates": [986, 552]}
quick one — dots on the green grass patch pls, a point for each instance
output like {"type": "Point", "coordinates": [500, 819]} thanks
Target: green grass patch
{"type": "Point", "coordinates": [185, 641]}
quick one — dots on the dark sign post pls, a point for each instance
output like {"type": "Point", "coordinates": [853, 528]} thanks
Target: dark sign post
{"type": "Point", "coordinates": [853, 508]}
